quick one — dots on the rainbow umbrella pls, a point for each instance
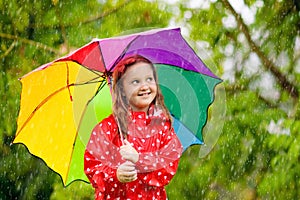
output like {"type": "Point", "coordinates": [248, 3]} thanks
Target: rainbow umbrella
{"type": "Point", "coordinates": [63, 100]}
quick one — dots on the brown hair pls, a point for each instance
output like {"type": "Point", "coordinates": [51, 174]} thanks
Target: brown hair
{"type": "Point", "coordinates": [120, 102]}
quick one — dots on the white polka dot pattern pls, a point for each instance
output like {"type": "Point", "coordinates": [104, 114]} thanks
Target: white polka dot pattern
{"type": "Point", "coordinates": [158, 147]}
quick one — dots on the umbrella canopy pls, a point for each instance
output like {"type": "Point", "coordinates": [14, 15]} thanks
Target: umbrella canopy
{"type": "Point", "coordinates": [63, 100]}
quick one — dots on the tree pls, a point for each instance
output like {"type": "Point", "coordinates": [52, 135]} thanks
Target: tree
{"type": "Point", "coordinates": [258, 151]}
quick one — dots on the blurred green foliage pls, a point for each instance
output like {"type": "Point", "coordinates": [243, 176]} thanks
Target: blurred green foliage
{"type": "Point", "coordinates": [250, 160]}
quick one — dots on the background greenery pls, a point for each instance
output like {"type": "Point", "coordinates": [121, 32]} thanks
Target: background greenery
{"type": "Point", "coordinates": [258, 152]}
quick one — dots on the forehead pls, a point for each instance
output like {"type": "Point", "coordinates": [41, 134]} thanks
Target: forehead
{"type": "Point", "coordinates": [138, 69]}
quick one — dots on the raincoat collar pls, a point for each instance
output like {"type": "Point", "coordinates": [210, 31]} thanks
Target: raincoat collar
{"type": "Point", "coordinates": [152, 112]}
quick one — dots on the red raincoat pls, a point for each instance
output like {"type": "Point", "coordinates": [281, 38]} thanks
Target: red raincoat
{"type": "Point", "coordinates": [159, 152]}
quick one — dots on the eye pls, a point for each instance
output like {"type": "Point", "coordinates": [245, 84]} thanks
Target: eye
{"type": "Point", "coordinates": [134, 82]}
{"type": "Point", "coordinates": [150, 79]}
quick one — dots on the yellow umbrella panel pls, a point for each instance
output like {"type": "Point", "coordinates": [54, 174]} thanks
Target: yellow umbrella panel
{"type": "Point", "coordinates": [49, 117]}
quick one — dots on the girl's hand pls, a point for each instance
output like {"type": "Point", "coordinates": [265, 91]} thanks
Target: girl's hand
{"type": "Point", "coordinates": [128, 152]}
{"type": "Point", "coordinates": [126, 172]}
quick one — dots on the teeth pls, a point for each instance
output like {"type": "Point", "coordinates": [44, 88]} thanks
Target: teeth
{"type": "Point", "coordinates": [144, 94]}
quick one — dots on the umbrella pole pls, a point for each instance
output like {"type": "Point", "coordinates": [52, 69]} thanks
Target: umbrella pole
{"type": "Point", "coordinates": [120, 132]}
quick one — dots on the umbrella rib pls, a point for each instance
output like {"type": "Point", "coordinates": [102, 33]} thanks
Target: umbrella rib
{"type": "Point", "coordinates": [50, 96]}
{"type": "Point", "coordinates": [186, 70]}
{"type": "Point", "coordinates": [102, 84]}
{"type": "Point", "coordinates": [98, 73]}
{"type": "Point", "coordinates": [106, 73]}
{"type": "Point", "coordinates": [90, 81]}
{"type": "Point", "coordinates": [124, 52]}
{"type": "Point", "coordinates": [68, 82]}
{"type": "Point", "coordinates": [41, 104]}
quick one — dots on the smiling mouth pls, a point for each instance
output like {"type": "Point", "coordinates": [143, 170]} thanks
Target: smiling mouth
{"type": "Point", "coordinates": [144, 94]}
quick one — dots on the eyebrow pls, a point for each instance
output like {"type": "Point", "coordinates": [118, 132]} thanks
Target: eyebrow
{"type": "Point", "coordinates": [138, 77]}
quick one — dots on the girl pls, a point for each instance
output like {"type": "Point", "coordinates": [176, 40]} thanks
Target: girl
{"type": "Point", "coordinates": [133, 153]}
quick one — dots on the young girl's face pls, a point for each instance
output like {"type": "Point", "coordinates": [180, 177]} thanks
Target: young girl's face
{"type": "Point", "coordinates": [139, 86]}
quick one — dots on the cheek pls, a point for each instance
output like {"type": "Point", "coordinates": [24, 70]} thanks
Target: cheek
{"type": "Point", "coordinates": [154, 88]}
{"type": "Point", "coordinates": [130, 91]}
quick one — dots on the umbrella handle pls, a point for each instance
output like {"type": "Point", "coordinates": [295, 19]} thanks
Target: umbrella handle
{"type": "Point", "coordinates": [120, 132]}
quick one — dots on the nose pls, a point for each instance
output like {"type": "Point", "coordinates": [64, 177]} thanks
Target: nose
{"type": "Point", "coordinates": [144, 86]}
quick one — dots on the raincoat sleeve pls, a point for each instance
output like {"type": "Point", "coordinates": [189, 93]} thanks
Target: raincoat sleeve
{"type": "Point", "coordinates": [158, 167]}
{"type": "Point", "coordinates": [96, 172]}
{"type": "Point", "coordinates": [101, 156]}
